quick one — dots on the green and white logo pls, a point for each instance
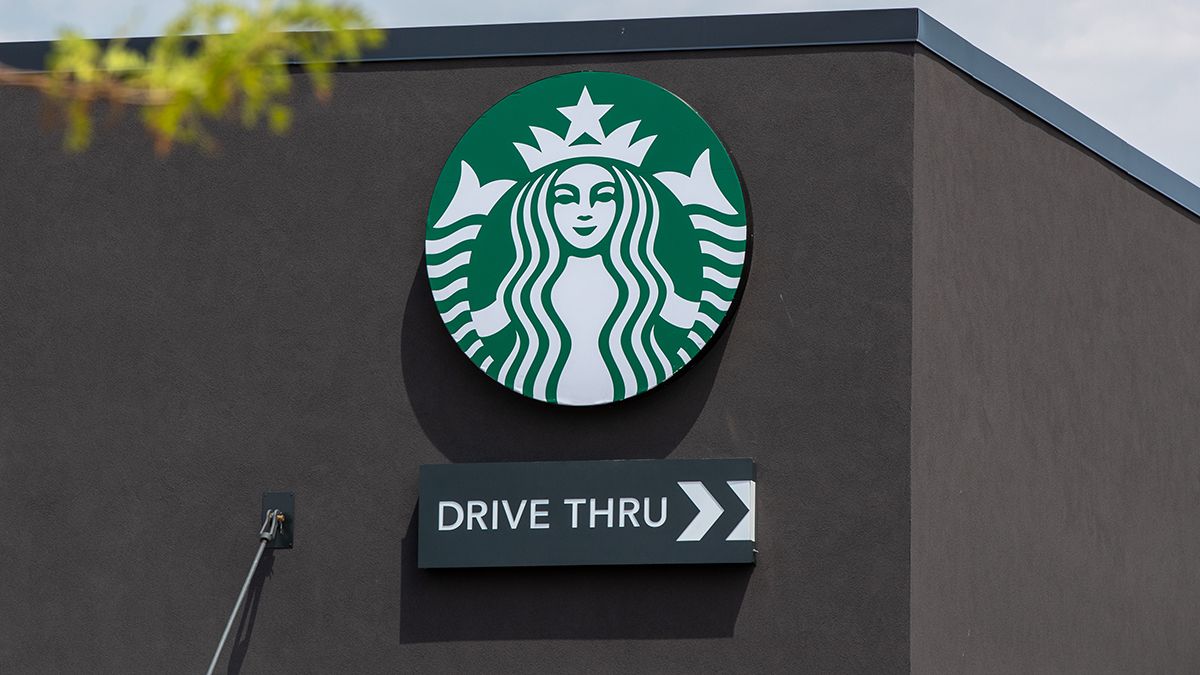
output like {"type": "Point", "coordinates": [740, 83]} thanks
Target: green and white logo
{"type": "Point", "coordinates": [586, 238]}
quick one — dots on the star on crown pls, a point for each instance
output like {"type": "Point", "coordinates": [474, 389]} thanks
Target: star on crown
{"type": "Point", "coordinates": [585, 119]}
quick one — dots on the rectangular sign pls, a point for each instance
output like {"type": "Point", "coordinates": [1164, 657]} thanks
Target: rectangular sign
{"type": "Point", "coordinates": [628, 512]}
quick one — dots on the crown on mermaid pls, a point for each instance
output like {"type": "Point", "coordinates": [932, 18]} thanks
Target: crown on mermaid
{"type": "Point", "coordinates": [585, 119]}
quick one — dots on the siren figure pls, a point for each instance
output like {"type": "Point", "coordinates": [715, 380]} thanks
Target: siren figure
{"type": "Point", "coordinates": [587, 295]}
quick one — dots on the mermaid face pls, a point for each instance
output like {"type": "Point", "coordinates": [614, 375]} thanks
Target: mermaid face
{"type": "Point", "coordinates": [585, 204]}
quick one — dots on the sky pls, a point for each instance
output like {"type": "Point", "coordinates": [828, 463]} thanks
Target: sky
{"type": "Point", "coordinates": [1132, 67]}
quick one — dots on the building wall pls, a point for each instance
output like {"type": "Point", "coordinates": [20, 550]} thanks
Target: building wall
{"type": "Point", "coordinates": [1056, 379]}
{"type": "Point", "coordinates": [180, 334]}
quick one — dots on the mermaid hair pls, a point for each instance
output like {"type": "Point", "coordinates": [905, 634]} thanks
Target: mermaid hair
{"type": "Point", "coordinates": [628, 345]}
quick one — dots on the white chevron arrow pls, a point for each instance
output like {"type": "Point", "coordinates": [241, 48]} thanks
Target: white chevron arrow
{"type": "Point", "coordinates": [744, 530]}
{"type": "Point", "coordinates": [710, 510]}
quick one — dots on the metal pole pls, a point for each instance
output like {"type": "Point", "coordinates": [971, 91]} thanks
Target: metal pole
{"type": "Point", "coordinates": [266, 534]}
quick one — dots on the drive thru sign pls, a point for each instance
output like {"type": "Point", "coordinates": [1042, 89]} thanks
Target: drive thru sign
{"type": "Point", "coordinates": [587, 513]}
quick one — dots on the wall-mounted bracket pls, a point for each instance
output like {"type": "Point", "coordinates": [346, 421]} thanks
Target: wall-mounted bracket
{"type": "Point", "coordinates": [285, 502]}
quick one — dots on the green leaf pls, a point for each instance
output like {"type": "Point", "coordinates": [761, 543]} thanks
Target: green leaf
{"type": "Point", "coordinates": [214, 59]}
{"type": "Point", "coordinates": [280, 119]}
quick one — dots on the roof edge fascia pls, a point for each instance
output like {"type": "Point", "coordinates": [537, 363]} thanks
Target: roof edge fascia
{"type": "Point", "coordinates": [748, 31]}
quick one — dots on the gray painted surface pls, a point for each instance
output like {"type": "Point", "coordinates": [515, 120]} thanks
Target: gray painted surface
{"type": "Point", "coordinates": [1056, 383]}
{"type": "Point", "coordinates": [181, 334]}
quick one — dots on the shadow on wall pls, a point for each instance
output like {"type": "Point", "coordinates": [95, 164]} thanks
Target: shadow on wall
{"type": "Point", "coordinates": [245, 627]}
{"type": "Point", "coordinates": [597, 603]}
{"type": "Point", "coordinates": [471, 418]}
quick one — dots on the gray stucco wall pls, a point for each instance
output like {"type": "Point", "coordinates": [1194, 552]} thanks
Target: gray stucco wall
{"type": "Point", "coordinates": [1056, 383]}
{"type": "Point", "coordinates": [179, 335]}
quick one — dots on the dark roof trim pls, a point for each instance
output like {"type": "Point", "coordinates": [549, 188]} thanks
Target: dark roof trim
{"type": "Point", "coordinates": [1054, 111]}
{"type": "Point", "coordinates": [749, 31]}
{"type": "Point", "coordinates": [606, 37]}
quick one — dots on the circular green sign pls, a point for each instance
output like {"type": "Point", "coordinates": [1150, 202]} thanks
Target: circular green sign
{"type": "Point", "coordinates": [586, 238]}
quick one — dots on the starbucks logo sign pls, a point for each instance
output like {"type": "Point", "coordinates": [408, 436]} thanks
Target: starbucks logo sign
{"type": "Point", "coordinates": [586, 238]}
